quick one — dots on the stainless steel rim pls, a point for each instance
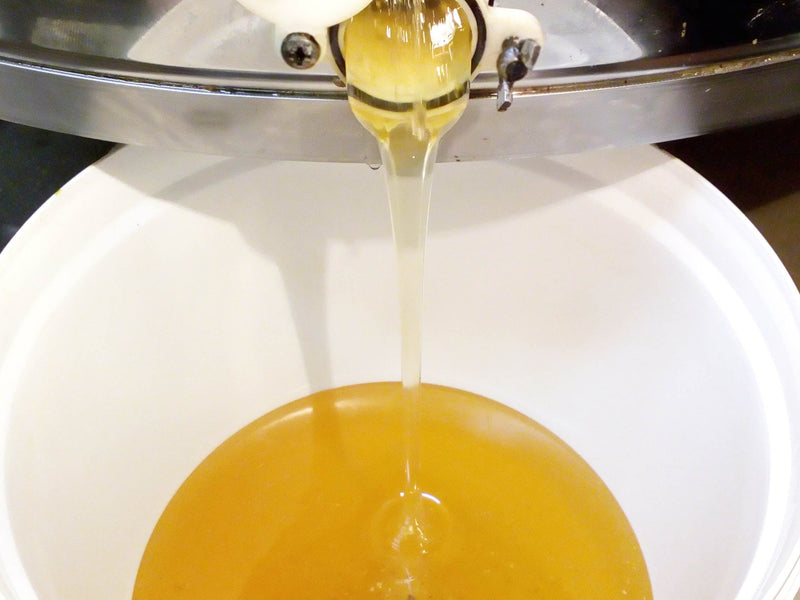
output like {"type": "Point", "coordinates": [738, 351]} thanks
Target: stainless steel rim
{"type": "Point", "coordinates": [305, 117]}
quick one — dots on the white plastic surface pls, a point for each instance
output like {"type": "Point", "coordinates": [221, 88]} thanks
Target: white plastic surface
{"type": "Point", "coordinates": [303, 15]}
{"type": "Point", "coordinates": [161, 301]}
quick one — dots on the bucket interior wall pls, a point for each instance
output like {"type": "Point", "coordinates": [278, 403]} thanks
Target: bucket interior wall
{"type": "Point", "coordinates": [634, 313]}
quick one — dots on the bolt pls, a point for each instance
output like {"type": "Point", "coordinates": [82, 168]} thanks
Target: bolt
{"type": "Point", "coordinates": [516, 59]}
{"type": "Point", "coordinates": [300, 50]}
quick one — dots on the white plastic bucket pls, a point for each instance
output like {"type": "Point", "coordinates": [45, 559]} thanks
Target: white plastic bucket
{"type": "Point", "coordinates": [161, 301]}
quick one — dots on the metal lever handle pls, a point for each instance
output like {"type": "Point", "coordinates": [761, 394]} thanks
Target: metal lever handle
{"type": "Point", "coordinates": [516, 59]}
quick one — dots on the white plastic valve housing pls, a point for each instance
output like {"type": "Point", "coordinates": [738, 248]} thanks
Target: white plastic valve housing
{"type": "Point", "coordinates": [503, 23]}
{"type": "Point", "coordinates": [315, 16]}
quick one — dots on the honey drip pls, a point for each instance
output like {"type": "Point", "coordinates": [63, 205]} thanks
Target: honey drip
{"type": "Point", "coordinates": [408, 71]}
{"type": "Point", "coordinates": [386, 491]}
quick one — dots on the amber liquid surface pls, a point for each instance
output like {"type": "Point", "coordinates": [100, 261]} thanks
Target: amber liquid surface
{"type": "Point", "coordinates": [303, 504]}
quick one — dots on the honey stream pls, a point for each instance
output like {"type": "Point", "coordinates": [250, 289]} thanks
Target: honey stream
{"type": "Point", "coordinates": [396, 492]}
{"type": "Point", "coordinates": [408, 71]}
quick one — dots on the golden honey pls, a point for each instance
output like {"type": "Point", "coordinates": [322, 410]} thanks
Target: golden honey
{"type": "Point", "coordinates": [304, 504]}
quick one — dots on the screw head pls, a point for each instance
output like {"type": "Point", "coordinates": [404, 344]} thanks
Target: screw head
{"type": "Point", "coordinates": [300, 50]}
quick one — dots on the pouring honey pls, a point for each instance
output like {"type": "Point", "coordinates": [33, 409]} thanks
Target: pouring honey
{"type": "Point", "coordinates": [396, 491]}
